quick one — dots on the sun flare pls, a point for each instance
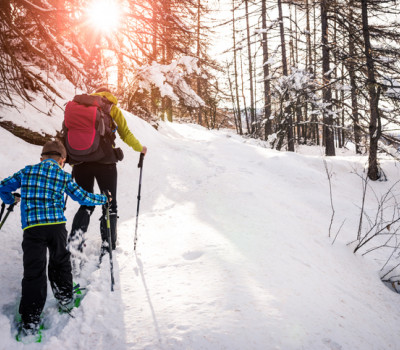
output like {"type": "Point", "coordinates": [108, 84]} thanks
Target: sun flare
{"type": "Point", "coordinates": [104, 15]}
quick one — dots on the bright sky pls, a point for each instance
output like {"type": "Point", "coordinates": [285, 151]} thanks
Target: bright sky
{"type": "Point", "coordinates": [104, 15]}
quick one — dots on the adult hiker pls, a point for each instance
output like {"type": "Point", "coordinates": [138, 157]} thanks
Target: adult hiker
{"type": "Point", "coordinates": [95, 165]}
{"type": "Point", "coordinates": [42, 201]}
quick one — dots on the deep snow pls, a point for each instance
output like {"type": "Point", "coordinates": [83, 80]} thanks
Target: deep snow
{"type": "Point", "coordinates": [233, 251]}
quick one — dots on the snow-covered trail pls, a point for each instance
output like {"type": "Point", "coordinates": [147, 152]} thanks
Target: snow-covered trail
{"type": "Point", "coordinates": [233, 253]}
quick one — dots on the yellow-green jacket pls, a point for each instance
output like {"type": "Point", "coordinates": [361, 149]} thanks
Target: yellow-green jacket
{"type": "Point", "coordinates": [123, 130]}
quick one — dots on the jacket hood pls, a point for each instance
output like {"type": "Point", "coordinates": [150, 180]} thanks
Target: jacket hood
{"type": "Point", "coordinates": [108, 95]}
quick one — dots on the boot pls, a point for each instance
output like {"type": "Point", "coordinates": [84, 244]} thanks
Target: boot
{"type": "Point", "coordinates": [79, 227]}
{"type": "Point", "coordinates": [76, 240]}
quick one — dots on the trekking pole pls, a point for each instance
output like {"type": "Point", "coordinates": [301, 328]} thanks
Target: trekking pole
{"type": "Point", "coordinates": [109, 240]}
{"type": "Point", "coordinates": [140, 165]}
{"type": "Point", "coordinates": [9, 209]}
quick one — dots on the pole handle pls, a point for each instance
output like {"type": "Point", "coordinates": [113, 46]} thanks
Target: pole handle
{"type": "Point", "coordinates": [140, 164]}
{"type": "Point", "coordinates": [9, 209]}
{"type": "Point", "coordinates": [11, 206]}
{"type": "Point", "coordinates": [107, 193]}
{"type": "Point", "coordinates": [16, 195]}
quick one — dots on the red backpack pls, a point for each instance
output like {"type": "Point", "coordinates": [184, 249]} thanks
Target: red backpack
{"type": "Point", "coordinates": [89, 130]}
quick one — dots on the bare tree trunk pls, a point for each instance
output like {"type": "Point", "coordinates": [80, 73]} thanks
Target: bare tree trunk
{"type": "Point", "coordinates": [327, 91]}
{"type": "Point", "coordinates": [287, 112]}
{"type": "Point", "coordinates": [342, 99]}
{"type": "Point", "coordinates": [199, 116]}
{"type": "Point", "coordinates": [353, 84]}
{"type": "Point", "coordinates": [267, 87]}
{"type": "Point", "coordinates": [236, 70]}
{"type": "Point", "coordinates": [315, 118]}
{"type": "Point", "coordinates": [235, 112]}
{"type": "Point", "coordinates": [252, 109]}
{"type": "Point", "coordinates": [296, 47]}
{"type": "Point", "coordinates": [374, 92]}
{"type": "Point", "coordinates": [299, 112]}
{"type": "Point", "coordinates": [335, 71]}
{"type": "Point", "coordinates": [298, 119]}
{"type": "Point", "coordinates": [256, 122]}
{"type": "Point", "coordinates": [155, 95]}
{"type": "Point", "coordinates": [309, 69]}
{"type": "Point", "coordinates": [167, 102]}
{"type": "Point", "coordinates": [282, 36]}
{"type": "Point", "coordinates": [243, 96]}
{"type": "Point", "coordinates": [291, 45]}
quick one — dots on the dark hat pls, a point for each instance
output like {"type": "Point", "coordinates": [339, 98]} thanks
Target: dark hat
{"type": "Point", "coordinates": [54, 148]}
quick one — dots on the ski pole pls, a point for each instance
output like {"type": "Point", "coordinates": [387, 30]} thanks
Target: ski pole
{"type": "Point", "coordinates": [9, 209]}
{"type": "Point", "coordinates": [140, 165]}
{"type": "Point", "coordinates": [109, 239]}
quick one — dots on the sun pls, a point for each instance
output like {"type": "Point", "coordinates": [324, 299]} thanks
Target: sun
{"type": "Point", "coordinates": [104, 15]}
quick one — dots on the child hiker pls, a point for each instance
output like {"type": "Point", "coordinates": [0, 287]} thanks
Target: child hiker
{"type": "Point", "coordinates": [43, 222]}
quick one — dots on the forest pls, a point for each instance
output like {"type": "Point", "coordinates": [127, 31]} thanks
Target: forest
{"type": "Point", "coordinates": [269, 213]}
{"type": "Point", "coordinates": [287, 72]}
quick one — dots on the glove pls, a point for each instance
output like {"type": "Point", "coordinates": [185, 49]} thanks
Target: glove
{"type": "Point", "coordinates": [108, 195]}
{"type": "Point", "coordinates": [17, 197]}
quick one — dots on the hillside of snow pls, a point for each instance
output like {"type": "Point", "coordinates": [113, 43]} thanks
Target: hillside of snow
{"type": "Point", "coordinates": [233, 251]}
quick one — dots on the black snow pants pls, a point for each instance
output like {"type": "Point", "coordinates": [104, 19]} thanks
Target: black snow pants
{"type": "Point", "coordinates": [36, 241]}
{"type": "Point", "coordinates": [106, 177]}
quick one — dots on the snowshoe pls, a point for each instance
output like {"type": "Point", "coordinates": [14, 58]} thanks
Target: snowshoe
{"type": "Point", "coordinates": [29, 335]}
{"type": "Point", "coordinates": [74, 302]}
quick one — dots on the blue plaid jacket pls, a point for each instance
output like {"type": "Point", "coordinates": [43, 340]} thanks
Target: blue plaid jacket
{"type": "Point", "coordinates": [42, 193]}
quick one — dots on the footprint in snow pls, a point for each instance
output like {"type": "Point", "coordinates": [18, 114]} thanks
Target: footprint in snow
{"type": "Point", "coordinates": [192, 255]}
{"type": "Point", "coordinates": [331, 345]}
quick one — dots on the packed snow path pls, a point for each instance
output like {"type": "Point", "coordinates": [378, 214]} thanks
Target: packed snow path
{"type": "Point", "coordinates": [233, 253]}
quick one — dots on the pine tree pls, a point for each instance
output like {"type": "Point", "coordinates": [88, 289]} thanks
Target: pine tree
{"type": "Point", "coordinates": [326, 73]}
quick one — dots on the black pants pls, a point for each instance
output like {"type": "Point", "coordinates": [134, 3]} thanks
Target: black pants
{"type": "Point", "coordinates": [34, 283]}
{"type": "Point", "coordinates": [106, 177]}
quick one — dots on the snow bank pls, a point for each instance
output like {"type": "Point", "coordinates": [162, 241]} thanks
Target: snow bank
{"type": "Point", "coordinates": [233, 252]}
